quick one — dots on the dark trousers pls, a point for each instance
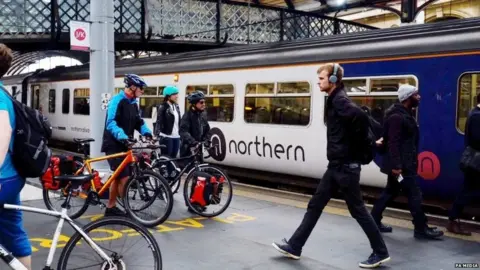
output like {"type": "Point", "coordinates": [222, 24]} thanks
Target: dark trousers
{"type": "Point", "coordinates": [412, 190]}
{"type": "Point", "coordinates": [348, 181]}
{"type": "Point", "coordinates": [171, 150]}
{"type": "Point", "coordinates": [470, 191]}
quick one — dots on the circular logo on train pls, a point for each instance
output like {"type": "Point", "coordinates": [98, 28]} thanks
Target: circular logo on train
{"type": "Point", "coordinates": [428, 165]}
{"type": "Point", "coordinates": [219, 145]}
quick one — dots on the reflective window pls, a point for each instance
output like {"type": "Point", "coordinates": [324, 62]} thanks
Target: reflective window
{"type": "Point", "coordinates": [389, 84]}
{"type": "Point", "coordinates": [377, 93]}
{"type": "Point", "coordinates": [219, 100]}
{"type": "Point", "coordinates": [287, 104]}
{"type": "Point", "coordinates": [355, 85]}
{"type": "Point", "coordinates": [66, 101]}
{"type": "Point", "coordinates": [81, 101]}
{"type": "Point", "coordinates": [51, 101]}
{"type": "Point", "coordinates": [468, 89]}
{"type": "Point", "coordinates": [147, 104]}
{"type": "Point", "coordinates": [150, 99]}
{"type": "Point", "coordinates": [377, 105]}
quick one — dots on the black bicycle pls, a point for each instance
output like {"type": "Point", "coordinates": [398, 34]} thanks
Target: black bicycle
{"type": "Point", "coordinates": [205, 185]}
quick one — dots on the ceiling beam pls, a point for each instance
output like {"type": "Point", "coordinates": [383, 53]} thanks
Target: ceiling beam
{"type": "Point", "coordinates": [380, 4]}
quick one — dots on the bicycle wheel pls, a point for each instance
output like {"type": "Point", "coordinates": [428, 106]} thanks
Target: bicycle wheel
{"type": "Point", "coordinates": [162, 169]}
{"type": "Point", "coordinates": [101, 231]}
{"type": "Point", "coordinates": [78, 205]}
{"type": "Point", "coordinates": [227, 188]}
{"type": "Point", "coordinates": [142, 191]}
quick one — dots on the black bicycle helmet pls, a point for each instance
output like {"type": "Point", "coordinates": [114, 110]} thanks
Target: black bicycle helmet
{"type": "Point", "coordinates": [195, 97]}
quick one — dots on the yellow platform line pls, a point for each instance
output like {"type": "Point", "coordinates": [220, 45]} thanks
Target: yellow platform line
{"type": "Point", "coordinates": [402, 223]}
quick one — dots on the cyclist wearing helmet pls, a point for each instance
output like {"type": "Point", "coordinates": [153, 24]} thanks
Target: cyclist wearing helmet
{"type": "Point", "coordinates": [168, 121]}
{"type": "Point", "coordinates": [123, 118]}
{"type": "Point", "coordinates": [194, 126]}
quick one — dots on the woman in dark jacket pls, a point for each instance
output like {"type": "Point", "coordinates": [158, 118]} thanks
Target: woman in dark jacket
{"type": "Point", "coordinates": [168, 122]}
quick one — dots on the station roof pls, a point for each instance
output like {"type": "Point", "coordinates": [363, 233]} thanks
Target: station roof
{"type": "Point", "coordinates": [316, 6]}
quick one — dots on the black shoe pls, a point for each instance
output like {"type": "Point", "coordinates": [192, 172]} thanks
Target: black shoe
{"type": "Point", "coordinates": [114, 211]}
{"type": "Point", "coordinates": [428, 233]}
{"type": "Point", "coordinates": [384, 228]}
{"type": "Point", "coordinates": [197, 207]}
{"type": "Point", "coordinates": [287, 250]}
{"type": "Point", "coordinates": [374, 260]}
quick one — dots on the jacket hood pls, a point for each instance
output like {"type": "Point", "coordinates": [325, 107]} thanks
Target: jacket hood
{"type": "Point", "coordinates": [396, 108]}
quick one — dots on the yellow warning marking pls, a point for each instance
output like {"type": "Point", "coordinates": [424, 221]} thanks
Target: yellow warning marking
{"type": "Point", "coordinates": [189, 222]}
{"type": "Point", "coordinates": [108, 235]}
{"type": "Point", "coordinates": [165, 228]}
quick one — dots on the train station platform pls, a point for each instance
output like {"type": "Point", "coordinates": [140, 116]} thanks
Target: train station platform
{"type": "Point", "coordinates": [241, 238]}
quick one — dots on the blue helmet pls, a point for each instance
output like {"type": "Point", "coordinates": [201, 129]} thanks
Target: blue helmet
{"type": "Point", "coordinates": [195, 97]}
{"type": "Point", "coordinates": [133, 79]}
{"type": "Point", "coordinates": [170, 90]}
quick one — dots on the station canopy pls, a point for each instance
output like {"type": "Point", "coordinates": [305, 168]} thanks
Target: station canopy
{"type": "Point", "coordinates": [318, 6]}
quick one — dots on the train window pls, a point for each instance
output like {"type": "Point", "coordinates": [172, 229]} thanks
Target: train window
{"type": "Point", "coordinates": [376, 104]}
{"type": "Point", "coordinates": [219, 100]}
{"type": "Point", "coordinates": [390, 84]}
{"type": "Point", "coordinates": [468, 89]}
{"type": "Point", "coordinates": [293, 88]}
{"type": "Point", "coordinates": [81, 101]}
{"type": "Point", "coordinates": [260, 88]}
{"type": "Point", "coordinates": [355, 85]}
{"type": "Point", "coordinates": [150, 91]}
{"type": "Point", "coordinates": [51, 101]}
{"type": "Point", "coordinates": [14, 91]}
{"type": "Point", "coordinates": [66, 101]}
{"type": "Point", "coordinates": [287, 104]}
{"type": "Point", "coordinates": [151, 98]}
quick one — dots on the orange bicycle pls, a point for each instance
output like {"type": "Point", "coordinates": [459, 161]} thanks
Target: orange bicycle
{"type": "Point", "coordinates": [144, 186]}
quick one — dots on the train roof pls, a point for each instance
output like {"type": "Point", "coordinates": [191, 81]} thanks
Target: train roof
{"type": "Point", "coordinates": [441, 37]}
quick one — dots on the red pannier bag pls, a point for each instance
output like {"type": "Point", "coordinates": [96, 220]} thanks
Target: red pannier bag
{"type": "Point", "coordinates": [59, 165]}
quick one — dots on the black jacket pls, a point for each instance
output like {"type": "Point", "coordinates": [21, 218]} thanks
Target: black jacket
{"type": "Point", "coordinates": [165, 118]}
{"type": "Point", "coordinates": [194, 128]}
{"type": "Point", "coordinates": [122, 119]}
{"type": "Point", "coordinates": [472, 129]}
{"type": "Point", "coordinates": [346, 124]}
{"type": "Point", "coordinates": [401, 140]}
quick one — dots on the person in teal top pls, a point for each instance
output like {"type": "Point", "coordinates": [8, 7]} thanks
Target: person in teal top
{"type": "Point", "coordinates": [12, 234]}
{"type": "Point", "coordinates": [7, 169]}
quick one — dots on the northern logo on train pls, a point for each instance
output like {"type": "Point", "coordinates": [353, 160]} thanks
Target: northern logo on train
{"type": "Point", "coordinates": [218, 149]}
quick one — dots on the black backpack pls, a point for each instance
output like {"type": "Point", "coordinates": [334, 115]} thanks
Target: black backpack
{"type": "Point", "coordinates": [30, 155]}
{"type": "Point", "coordinates": [368, 148]}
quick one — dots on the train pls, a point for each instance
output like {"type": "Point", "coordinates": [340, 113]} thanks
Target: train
{"type": "Point", "coordinates": [266, 110]}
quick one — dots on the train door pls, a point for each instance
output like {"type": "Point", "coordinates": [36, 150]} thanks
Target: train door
{"type": "Point", "coordinates": [35, 97]}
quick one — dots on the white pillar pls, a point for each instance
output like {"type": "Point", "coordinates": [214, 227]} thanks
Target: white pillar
{"type": "Point", "coordinates": [102, 69]}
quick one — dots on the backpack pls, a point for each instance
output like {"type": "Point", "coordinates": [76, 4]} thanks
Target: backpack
{"type": "Point", "coordinates": [30, 153]}
{"type": "Point", "coordinates": [368, 147]}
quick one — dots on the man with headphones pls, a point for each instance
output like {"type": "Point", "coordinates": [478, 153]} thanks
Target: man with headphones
{"type": "Point", "coordinates": [347, 127]}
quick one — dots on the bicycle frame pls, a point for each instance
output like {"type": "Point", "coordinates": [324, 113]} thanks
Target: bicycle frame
{"type": "Point", "coordinates": [129, 159]}
{"type": "Point", "coordinates": [62, 216]}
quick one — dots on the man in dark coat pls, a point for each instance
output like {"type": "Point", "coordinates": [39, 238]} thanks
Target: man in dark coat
{"type": "Point", "coordinates": [400, 140]}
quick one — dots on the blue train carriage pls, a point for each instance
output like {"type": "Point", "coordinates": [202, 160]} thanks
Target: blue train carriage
{"type": "Point", "coordinates": [448, 81]}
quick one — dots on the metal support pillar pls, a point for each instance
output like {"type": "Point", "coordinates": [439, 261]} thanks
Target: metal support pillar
{"type": "Point", "coordinates": [408, 10]}
{"type": "Point", "coordinates": [102, 66]}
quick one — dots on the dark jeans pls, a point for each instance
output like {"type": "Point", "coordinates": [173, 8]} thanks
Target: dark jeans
{"type": "Point", "coordinates": [348, 181]}
{"type": "Point", "coordinates": [173, 144]}
{"type": "Point", "coordinates": [410, 187]}
{"type": "Point", "coordinates": [470, 191]}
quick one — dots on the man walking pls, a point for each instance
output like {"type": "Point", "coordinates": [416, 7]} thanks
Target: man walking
{"type": "Point", "coordinates": [343, 119]}
{"type": "Point", "coordinates": [400, 140]}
